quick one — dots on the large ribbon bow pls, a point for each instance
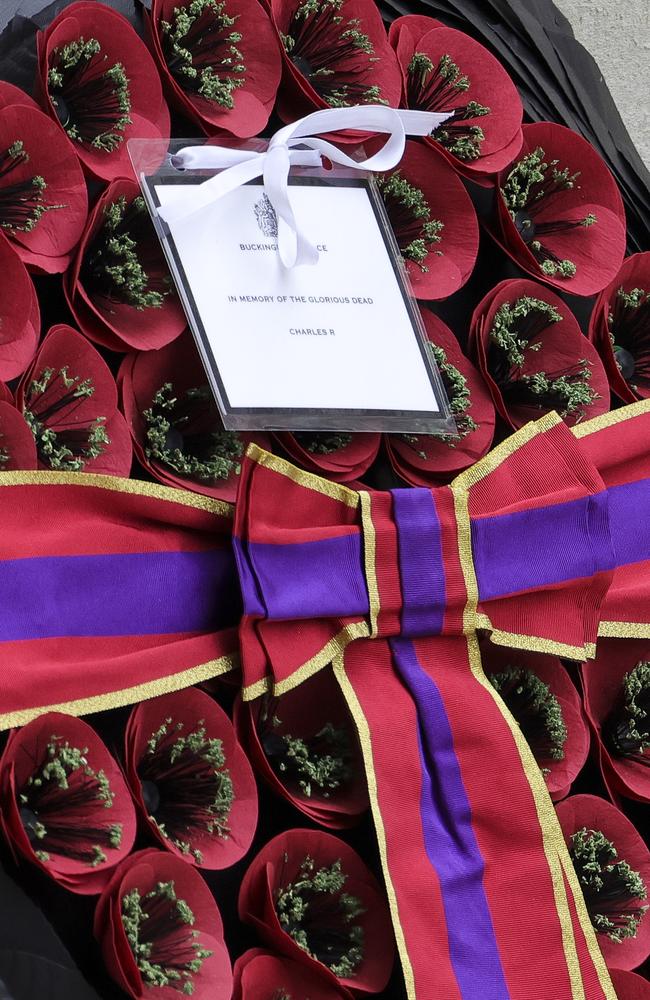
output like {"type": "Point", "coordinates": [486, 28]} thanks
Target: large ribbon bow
{"type": "Point", "coordinates": [112, 591]}
{"type": "Point", "coordinates": [539, 545]}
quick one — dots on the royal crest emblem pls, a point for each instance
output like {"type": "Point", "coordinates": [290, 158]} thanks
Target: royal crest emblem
{"type": "Point", "coordinates": [267, 220]}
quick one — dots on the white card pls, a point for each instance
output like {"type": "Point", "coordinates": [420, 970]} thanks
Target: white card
{"type": "Point", "coordinates": [338, 340]}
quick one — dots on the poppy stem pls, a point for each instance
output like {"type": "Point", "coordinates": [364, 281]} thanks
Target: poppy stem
{"type": "Point", "coordinates": [410, 218]}
{"type": "Point", "coordinates": [115, 265]}
{"type": "Point", "coordinates": [186, 785]}
{"type": "Point", "coordinates": [332, 53]}
{"type": "Point", "coordinates": [323, 442]}
{"type": "Point", "coordinates": [320, 917]}
{"type": "Point", "coordinates": [318, 761]}
{"type": "Point", "coordinates": [22, 202]}
{"type": "Point", "coordinates": [183, 434]}
{"type": "Point", "coordinates": [201, 50]}
{"type": "Point", "coordinates": [60, 803]}
{"type": "Point", "coordinates": [460, 401]}
{"type": "Point", "coordinates": [434, 88]}
{"type": "Point", "coordinates": [157, 926]}
{"type": "Point", "coordinates": [60, 444]}
{"type": "Point", "coordinates": [612, 889]}
{"type": "Point", "coordinates": [90, 98]}
{"type": "Point", "coordinates": [626, 731]}
{"type": "Point", "coordinates": [536, 711]}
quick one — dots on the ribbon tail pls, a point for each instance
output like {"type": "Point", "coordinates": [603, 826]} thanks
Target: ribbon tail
{"type": "Point", "coordinates": [472, 852]}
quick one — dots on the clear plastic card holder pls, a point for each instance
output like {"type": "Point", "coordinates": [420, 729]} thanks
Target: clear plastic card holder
{"type": "Point", "coordinates": [334, 346]}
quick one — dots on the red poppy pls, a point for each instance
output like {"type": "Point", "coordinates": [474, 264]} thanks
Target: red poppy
{"type": "Point", "coordinates": [344, 929]}
{"type": "Point", "coordinates": [17, 445]}
{"type": "Point", "coordinates": [629, 986]}
{"type": "Point", "coordinates": [617, 701]}
{"type": "Point", "coordinates": [559, 213]}
{"type": "Point", "coordinates": [160, 931]}
{"type": "Point", "coordinates": [20, 317]}
{"type": "Point", "coordinates": [613, 867]}
{"type": "Point", "coordinates": [43, 198]}
{"type": "Point", "coordinates": [529, 348]}
{"type": "Point", "coordinates": [546, 705]}
{"type": "Point", "coordinates": [304, 745]}
{"type": "Point", "coordinates": [446, 70]}
{"type": "Point", "coordinates": [69, 399]}
{"type": "Point", "coordinates": [335, 54]}
{"type": "Point", "coordinates": [261, 975]}
{"type": "Point", "coordinates": [98, 83]}
{"type": "Point", "coordinates": [335, 454]}
{"type": "Point", "coordinates": [176, 428]}
{"type": "Point", "coordinates": [191, 779]}
{"type": "Point", "coordinates": [427, 459]}
{"type": "Point", "coordinates": [118, 286]}
{"type": "Point", "coordinates": [620, 329]}
{"type": "Point", "coordinates": [65, 805]}
{"type": "Point", "coordinates": [433, 219]}
{"type": "Point", "coordinates": [220, 62]}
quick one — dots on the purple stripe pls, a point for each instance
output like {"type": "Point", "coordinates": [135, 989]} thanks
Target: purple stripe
{"type": "Point", "coordinates": [449, 839]}
{"type": "Point", "coordinates": [421, 569]}
{"type": "Point", "coordinates": [144, 593]}
{"type": "Point", "coordinates": [628, 521]}
{"type": "Point", "coordinates": [323, 579]}
{"type": "Point", "coordinates": [540, 547]}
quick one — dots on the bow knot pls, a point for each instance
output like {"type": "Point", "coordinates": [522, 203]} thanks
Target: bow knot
{"type": "Point", "coordinates": [238, 167]}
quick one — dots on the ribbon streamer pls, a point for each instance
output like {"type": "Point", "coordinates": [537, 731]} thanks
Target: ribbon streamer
{"type": "Point", "coordinates": [238, 167]}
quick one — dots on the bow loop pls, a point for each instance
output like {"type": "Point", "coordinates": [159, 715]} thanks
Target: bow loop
{"type": "Point", "coordinates": [520, 545]}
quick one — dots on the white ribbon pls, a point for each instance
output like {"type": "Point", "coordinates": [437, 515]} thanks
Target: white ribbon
{"type": "Point", "coordinates": [238, 166]}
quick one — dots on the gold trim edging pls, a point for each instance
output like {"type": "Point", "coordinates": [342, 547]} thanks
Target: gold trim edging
{"type": "Point", "coordinates": [135, 487]}
{"type": "Point", "coordinates": [503, 451]}
{"type": "Point", "coordinates": [334, 648]}
{"type": "Point", "coordinates": [535, 644]}
{"type": "Point", "coordinates": [370, 558]}
{"type": "Point", "coordinates": [624, 630]}
{"type": "Point", "coordinates": [611, 418]}
{"type": "Point", "coordinates": [365, 740]}
{"type": "Point", "coordinates": [335, 491]}
{"type": "Point", "coordinates": [126, 696]}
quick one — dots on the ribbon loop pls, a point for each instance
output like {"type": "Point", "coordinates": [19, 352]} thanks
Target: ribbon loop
{"type": "Point", "coordinates": [238, 167]}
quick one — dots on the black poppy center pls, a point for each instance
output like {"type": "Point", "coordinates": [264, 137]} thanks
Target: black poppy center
{"type": "Point", "coordinates": [62, 111]}
{"type": "Point", "coordinates": [629, 324]}
{"type": "Point", "coordinates": [29, 819]}
{"type": "Point", "coordinates": [303, 65]}
{"type": "Point", "coordinates": [525, 225]}
{"type": "Point", "coordinates": [626, 363]}
{"type": "Point", "coordinates": [174, 440]}
{"type": "Point", "coordinates": [150, 796]}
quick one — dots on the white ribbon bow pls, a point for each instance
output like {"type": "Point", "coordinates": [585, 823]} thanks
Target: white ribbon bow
{"type": "Point", "coordinates": [238, 166]}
